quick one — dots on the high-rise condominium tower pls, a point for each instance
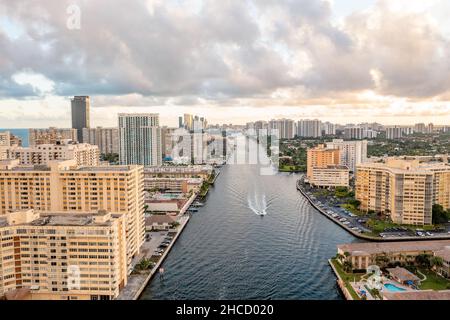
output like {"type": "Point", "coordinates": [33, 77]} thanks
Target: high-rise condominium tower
{"type": "Point", "coordinates": [80, 114]}
{"type": "Point", "coordinates": [140, 139]}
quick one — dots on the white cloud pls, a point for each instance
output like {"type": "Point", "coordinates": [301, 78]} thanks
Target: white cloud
{"type": "Point", "coordinates": [40, 84]}
{"type": "Point", "coordinates": [265, 54]}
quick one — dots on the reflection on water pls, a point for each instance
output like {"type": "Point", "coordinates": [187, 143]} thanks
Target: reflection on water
{"type": "Point", "coordinates": [227, 252]}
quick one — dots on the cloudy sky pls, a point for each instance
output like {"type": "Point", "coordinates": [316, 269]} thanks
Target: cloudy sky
{"type": "Point", "coordinates": [229, 60]}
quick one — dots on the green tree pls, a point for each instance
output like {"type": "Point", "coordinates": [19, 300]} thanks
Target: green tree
{"type": "Point", "coordinates": [439, 215]}
{"type": "Point", "coordinates": [423, 260]}
{"type": "Point", "coordinates": [382, 260]}
{"type": "Point", "coordinates": [436, 262]}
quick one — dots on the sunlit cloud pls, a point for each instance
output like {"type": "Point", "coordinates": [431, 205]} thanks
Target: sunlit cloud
{"type": "Point", "coordinates": [229, 60]}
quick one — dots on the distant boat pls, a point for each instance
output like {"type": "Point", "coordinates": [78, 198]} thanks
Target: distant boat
{"type": "Point", "coordinates": [198, 204]}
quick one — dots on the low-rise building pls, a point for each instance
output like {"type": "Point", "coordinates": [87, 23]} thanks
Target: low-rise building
{"type": "Point", "coordinates": [444, 269]}
{"type": "Point", "coordinates": [192, 171]}
{"type": "Point", "coordinates": [362, 255]}
{"type": "Point", "coordinates": [62, 256]}
{"type": "Point", "coordinates": [403, 276]}
{"type": "Point", "coordinates": [173, 185]}
{"type": "Point", "coordinates": [159, 222]}
{"type": "Point", "coordinates": [417, 295]}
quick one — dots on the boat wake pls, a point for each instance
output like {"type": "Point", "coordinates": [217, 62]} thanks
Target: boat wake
{"type": "Point", "coordinates": [257, 204]}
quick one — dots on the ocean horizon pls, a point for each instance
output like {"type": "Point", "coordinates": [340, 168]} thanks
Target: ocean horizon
{"type": "Point", "coordinates": [20, 132]}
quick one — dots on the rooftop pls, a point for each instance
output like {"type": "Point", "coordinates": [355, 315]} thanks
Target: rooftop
{"type": "Point", "coordinates": [369, 248]}
{"type": "Point", "coordinates": [418, 295]}
{"type": "Point", "coordinates": [444, 253]}
{"type": "Point", "coordinates": [400, 165]}
{"type": "Point", "coordinates": [100, 218]}
{"type": "Point", "coordinates": [402, 274]}
{"type": "Point", "coordinates": [159, 219]}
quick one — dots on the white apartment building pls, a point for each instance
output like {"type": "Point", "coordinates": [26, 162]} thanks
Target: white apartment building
{"type": "Point", "coordinates": [329, 128]}
{"type": "Point", "coordinates": [354, 133]}
{"type": "Point", "coordinates": [285, 127]}
{"type": "Point", "coordinates": [107, 139]}
{"type": "Point", "coordinates": [397, 132]}
{"type": "Point", "coordinates": [351, 153]}
{"type": "Point", "coordinates": [309, 128]}
{"type": "Point", "coordinates": [140, 139]}
{"type": "Point", "coordinates": [84, 154]}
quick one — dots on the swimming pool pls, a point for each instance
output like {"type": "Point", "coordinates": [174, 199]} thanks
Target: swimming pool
{"type": "Point", "coordinates": [393, 288]}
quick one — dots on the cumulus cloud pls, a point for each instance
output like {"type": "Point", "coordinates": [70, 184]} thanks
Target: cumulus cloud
{"type": "Point", "coordinates": [199, 52]}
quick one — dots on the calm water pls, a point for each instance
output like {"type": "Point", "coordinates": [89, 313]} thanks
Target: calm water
{"type": "Point", "coordinates": [22, 133]}
{"type": "Point", "coordinates": [227, 251]}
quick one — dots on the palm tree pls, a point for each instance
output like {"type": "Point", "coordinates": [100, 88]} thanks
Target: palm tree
{"type": "Point", "coordinates": [382, 260]}
{"type": "Point", "coordinates": [347, 266]}
{"type": "Point", "coordinates": [423, 260]}
{"type": "Point", "coordinates": [436, 262]}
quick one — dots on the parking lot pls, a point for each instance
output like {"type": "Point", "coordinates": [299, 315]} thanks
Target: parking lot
{"type": "Point", "coordinates": [331, 207]}
{"type": "Point", "coordinates": [156, 243]}
{"type": "Point", "coordinates": [342, 215]}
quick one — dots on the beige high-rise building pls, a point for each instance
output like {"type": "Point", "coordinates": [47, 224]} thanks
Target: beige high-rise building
{"type": "Point", "coordinates": [84, 154]}
{"type": "Point", "coordinates": [63, 256]}
{"type": "Point", "coordinates": [405, 190]}
{"type": "Point", "coordinates": [50, 135]}
{"type": "Point", "coordinates": [330, 177]}
{"type": "Point", "coordinates": [107, 139]}
{"type": "Point", "coordinates": [321, 157]}
{"type": "Point", "coordinates": [62, 186]}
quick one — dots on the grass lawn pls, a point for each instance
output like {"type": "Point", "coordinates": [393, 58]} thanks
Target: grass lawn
{"type": "Point", "coordinates": [287, 168]}
{"type": "Point", "coordinates": [352, 209]}
{"type": "Point", "coordinates": [434, 281]}
{"type": "Point", "coordinates": [378, 226]}
{"type": "Point", "coordinates": [347, 278]}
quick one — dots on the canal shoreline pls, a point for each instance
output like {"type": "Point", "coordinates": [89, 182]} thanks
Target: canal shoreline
{"type": "Point", "coordinates": [340, 282]}
{"type": "Point", "coordinates": [137, 294]}
{"type": "Point", "coordinates": [363, 236]}
{"type": "Point", "coordinates": [161, 260]}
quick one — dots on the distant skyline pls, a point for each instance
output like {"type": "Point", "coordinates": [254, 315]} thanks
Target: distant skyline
{"type": "Point", "coordinates": [343, 61]}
